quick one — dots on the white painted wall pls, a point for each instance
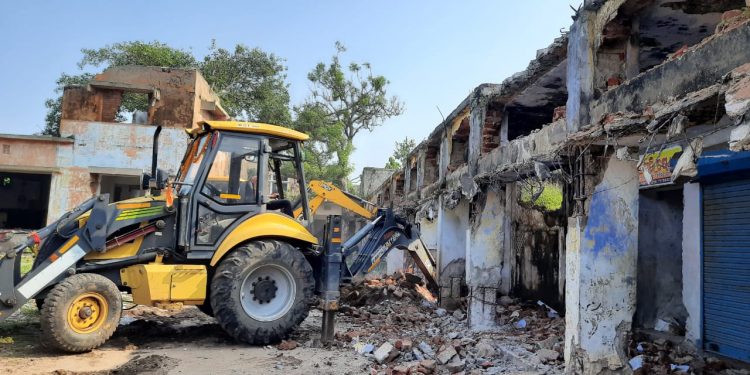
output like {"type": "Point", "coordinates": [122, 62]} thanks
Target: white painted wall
{"type": "Point", "coordinates": [692, 277]}
{"type": "Point", "coordinates": [484, 260]}
{"type": "Point", "coordinates": [453, 224]}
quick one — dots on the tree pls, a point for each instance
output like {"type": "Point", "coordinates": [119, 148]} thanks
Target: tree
{"type": "Point", "coordinates": [352, 99]}
{"type": "Point", "coordinates": [326, 145]}
{"type": "Point", "coordinates": [250, 82]}
{"type": "Point", "coordinates": [392, 163]}
{"type": "Point", "coordinates": [401, 151]}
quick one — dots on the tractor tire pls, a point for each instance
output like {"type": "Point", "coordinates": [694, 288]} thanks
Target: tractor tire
{"type": "Point", "coordinates": [262, 291]}
{"type": "Point", "coordinates": [206, 308]}
{"type": "Point", "coordinates": [80, 313]}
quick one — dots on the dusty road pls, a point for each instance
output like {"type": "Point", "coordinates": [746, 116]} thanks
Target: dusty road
{"type": "Point", "coordinates": [150, 341]}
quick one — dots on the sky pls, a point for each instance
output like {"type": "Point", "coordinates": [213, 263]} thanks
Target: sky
{"type": "Point", "coordinates": [432, 52]}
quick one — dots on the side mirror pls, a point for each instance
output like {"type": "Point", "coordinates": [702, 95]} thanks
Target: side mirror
{"type": "Point", "coordinates": [145, 181]}
{"type": "Point", "coordinates": [159, 182]}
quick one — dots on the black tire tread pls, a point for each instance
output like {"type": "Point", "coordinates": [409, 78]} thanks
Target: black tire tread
{"type": "Point", "coordinates": [57, 334]}
{"type": "Point", "coordinates": [227, 279]}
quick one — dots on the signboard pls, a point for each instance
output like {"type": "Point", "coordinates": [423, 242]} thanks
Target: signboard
{"type": "Point", "coordinates": [655, 167]}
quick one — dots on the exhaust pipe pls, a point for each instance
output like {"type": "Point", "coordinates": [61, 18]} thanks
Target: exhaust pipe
{"type": "Point", "coordinates": [155, 151]}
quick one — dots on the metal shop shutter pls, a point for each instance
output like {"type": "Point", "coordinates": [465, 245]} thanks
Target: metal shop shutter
{"type": "Point", "coordinates": [726, 269]}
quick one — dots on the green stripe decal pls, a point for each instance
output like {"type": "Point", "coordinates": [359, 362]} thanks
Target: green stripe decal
{"type": "Point", "coordinates": [138, 213]}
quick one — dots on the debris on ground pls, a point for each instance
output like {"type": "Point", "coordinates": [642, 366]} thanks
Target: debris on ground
{"type": "Point", "coordinates": [287, 345]}
{"type": "Point", "coordinates": [401, 332]}
{"type": "Point", "coordinates": [657, 352]}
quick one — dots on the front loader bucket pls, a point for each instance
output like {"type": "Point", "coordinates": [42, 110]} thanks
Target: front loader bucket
{"type": "Point", "coordinates": [16, 290]}
{"type": "Point", "coordinates": [10, 262]}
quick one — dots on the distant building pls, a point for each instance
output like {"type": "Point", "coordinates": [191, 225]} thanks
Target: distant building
{"type": "Point", "coordinates": [42, 177]}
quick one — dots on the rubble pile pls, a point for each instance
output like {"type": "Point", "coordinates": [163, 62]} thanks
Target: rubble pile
{"type": "Point", "coordinates": [401, 330]}
{"type": "Point", "coordinates": [671, 354]}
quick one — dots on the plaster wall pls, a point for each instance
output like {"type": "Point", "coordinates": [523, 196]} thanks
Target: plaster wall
{"type": "Point", "coordinates": [452, 232]}
{"type": "Point", "coordinates": [484, 258]}
{"type": "Point", "coordinates": [372, 179]}
{"type": "Point", "coordinates": [107, 148]}
{"type": "Point", "coordinates": [692, 275]}
{"type": "Point", "coordinates": [601, 267]}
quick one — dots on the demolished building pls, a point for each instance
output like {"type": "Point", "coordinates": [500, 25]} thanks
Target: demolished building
{"type": "Point", "coordinates": [97, 151]}
{"type": "Point", "coordinates": [609, 180]}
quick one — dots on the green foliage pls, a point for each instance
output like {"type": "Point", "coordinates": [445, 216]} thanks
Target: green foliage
{"type": "Point", "coordinates": [403, 148]}
{"type": "Point", "coordinates": [27, 261]}
{"type": "Point", "coordinates": [550, 199]}
{"type": "Point", "coordinates": [137, 53]}
{"type": "Point", "coordinates": [346, 101]}
{"type": "Point", "coordinates": [392, 163]}
{"type": "Point", "coordinates": [251, 83]}
{"type": "Point", "coordinates": [327, 152]}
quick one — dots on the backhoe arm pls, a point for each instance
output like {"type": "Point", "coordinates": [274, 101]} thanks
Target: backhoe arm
{"type": "Point", "coordinates": [384, 232]}
{"type": "Point", "coordinates": [327, 192]}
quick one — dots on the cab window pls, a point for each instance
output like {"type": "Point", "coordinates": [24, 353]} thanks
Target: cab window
{"type": "Point", "coordinates": [191, 164]}
{"type": "Point", "coordinates": [283, 170]}
{"type": "Point", "coordinates": [233, 176]}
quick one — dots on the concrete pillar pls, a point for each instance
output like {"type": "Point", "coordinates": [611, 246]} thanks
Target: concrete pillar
{"type": "Point", "coordinates": [504, 130]}
{"type": "Point", "coordinates": [580, 72]}
{"type": "Point", "coordinates": [444, 158]}
{"type": "Point", "coordinates": [601, 270]}
{"type": "Point", "coordinates": [476, 130]}
{"type": "Point", "coordinates": [691, 261]}
{"type": "Point", "coordinates": [632, 51]}
{"type": "Point", "coordinates": [407, 178]}
{"type": "Point", "coordinates": [484, 259]}
{"type": "Point", "coordinates": [421, 164]}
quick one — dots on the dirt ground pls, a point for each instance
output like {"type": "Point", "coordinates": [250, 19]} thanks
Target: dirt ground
{"type": "Point", "coordinates": [152, 341]}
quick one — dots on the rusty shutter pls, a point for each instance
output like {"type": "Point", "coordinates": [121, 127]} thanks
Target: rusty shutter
{"type": "Point", "coordinates": [726, 269]}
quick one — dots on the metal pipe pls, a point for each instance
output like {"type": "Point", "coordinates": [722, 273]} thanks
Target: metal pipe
{"type": "Point", "coordinates": [360, 234]}
{"type": "Point", "coordinates": [155, 151]}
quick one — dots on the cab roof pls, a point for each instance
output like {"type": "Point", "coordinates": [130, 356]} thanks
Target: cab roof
{"type": "Point", "coordinates": [251, 128]}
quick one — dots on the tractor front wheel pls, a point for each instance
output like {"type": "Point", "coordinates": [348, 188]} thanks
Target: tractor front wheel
{"type": "Point", "coordinates": [81, 313]}
{"type": "Point", "coordinates": [262, 291]}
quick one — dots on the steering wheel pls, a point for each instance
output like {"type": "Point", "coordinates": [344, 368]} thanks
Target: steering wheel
{"type": "Point", "coordinates": [213, 190]}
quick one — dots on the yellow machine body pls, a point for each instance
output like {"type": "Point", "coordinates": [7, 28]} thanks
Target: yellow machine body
{"type": "Point", "coordinates": [157, 283]}
{"type": "Point", "coordinates": [269, 224]}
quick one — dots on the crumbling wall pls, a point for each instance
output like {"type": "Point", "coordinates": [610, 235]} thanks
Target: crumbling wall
{"type": "Point", "coordinates": [179, 97]}
{"type": "Point", "coordinates": [485, 256]}
{"type": "Point", "coordinates": [372, 179]}
{"type": "Point", "coordinates": [453, 225]}
{"type": "Point", "coordinates": [601, 260]}
{"type": "Point", "coordinates": [700, 67]}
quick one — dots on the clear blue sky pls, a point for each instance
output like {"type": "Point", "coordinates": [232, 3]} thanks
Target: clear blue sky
{"type": "Point", "coordinates": [433, 52]}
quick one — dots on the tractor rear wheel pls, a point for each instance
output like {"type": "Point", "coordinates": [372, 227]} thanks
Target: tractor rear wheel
{"type": "Point", "coordinates": [262, 291]}
{"type": "Point", "coordinates": [81, 312]}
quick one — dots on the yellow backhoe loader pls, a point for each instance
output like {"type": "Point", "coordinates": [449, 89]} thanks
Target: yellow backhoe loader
{"type": "Point", "coordinates": [228, 234]}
